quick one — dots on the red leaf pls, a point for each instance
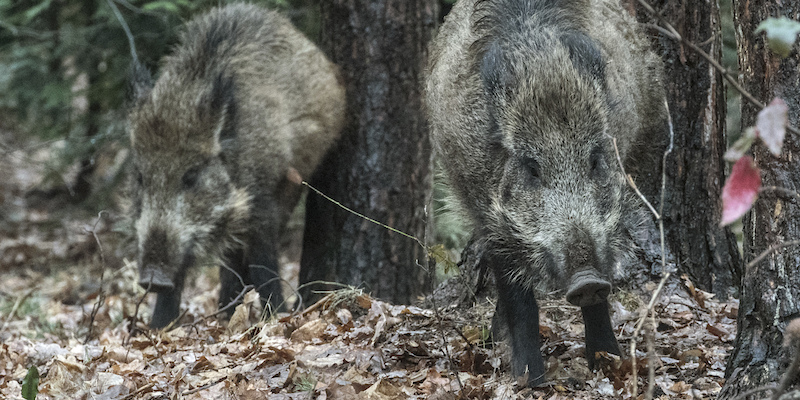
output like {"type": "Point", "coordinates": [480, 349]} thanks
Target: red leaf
{"type": "Point", "coordinates": [771, 125]}
{"type": "Point", "coordinates": [740, 190]}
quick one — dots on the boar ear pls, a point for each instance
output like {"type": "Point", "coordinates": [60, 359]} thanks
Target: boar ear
{"type": "Point", "coordinates": [494, 71]}
{"type": "Point", "coordinates": [585, 55]}
{"type": "Point", "coordinates": [140, 83]}
{"type": "Point", "coordinates": [222, 108]}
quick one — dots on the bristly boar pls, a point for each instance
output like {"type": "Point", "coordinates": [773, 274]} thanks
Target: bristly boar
{"type": "Point", "coordinates": [243, 100]}
{"type": "Point", "coordinates": [523, 97]}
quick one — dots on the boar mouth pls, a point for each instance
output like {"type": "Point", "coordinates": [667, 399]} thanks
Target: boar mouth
{"type": "Point", "coordinates": [160, 277]}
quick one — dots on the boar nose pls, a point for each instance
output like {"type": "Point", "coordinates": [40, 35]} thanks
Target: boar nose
{"type": "Point", "coordinates": [155, 279]}
{"type": "Point", "coordinates": [587, 288]}
{"type": "Point", "coordinates": [155, 254]}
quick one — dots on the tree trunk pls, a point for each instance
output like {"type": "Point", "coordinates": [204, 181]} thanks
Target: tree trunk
{"type": "Point", "coordinates": [382, 164]}
{"type": "Point", "coordinates": [771, 287]}
{"type": "Point", "coordinates": [695, 170]}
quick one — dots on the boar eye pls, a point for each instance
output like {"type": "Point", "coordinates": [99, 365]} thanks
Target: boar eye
{"type": "Point", "coordinates": [532, 168]}
{"type": "Point", "coordinates": [190, 178]}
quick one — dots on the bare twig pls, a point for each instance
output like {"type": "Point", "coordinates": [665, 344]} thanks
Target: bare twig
{"type": "Point", "coordinates": [629, 179]}
{"type": "Point", "coordinates": [101, 297]}
{"type": "Point", "coordinates": [638, 329]}
{"type": "Point", "coordinates": [22, 31]}
{"type": "Point", "coordinates": [285, 283]}
{"type": "Point", "coordinates": [786, 193]}
{"type": "Point", "coordinates": [136, 309]}
{"type": "Point", "coordinates": [127, 30]}
{"type": "Point", "coordinates": [657, 215]}
{"type": "Point", "coordinates": [232, 303]}
{"type": "Point", "coordinates": [412, 237]}
{"type": "Point", "coordinates": [137, 10]}
{"type": "Point", "coordinates": [649, 339]}
{"type": "Point", "coordinates": [743, 395]}
{"type": "Point", "coordinates": [771, 250]}
{"type": "Point", "coordinates": [204, 387]}
{"type": "Point", "coordinates": [135, 395]}
{"type": "Point", "coordinates": [15, 307]}
{"type": "Point", "coordinates": [439, 320]}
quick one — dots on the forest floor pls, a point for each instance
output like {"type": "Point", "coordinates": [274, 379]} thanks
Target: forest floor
{"type": "Point", "coordinates": [70, 307]}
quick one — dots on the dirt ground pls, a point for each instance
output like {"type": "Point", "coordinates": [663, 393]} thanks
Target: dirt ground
{"type": "Point", "coordinates": [71, 308]}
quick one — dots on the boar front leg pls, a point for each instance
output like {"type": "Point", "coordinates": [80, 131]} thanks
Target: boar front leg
{"type": "Point", "coordinates": [599, 333]}
{"type": "Point", "coordinates": [168, 304]}
{"type": "Point", "coordinates": [516, 319]}
{"type": "Point", "coordinates": [262, 255]}
{"type": "Point", "coordinates": [168, 307]}
{"type": "Point", "coordinates": [231, 277]}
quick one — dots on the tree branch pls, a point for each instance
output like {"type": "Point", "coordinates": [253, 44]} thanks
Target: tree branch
{"type": "Point", "coordinates": [671, 33]}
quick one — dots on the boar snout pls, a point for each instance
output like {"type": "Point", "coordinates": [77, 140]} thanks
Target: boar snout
{"type": "Point", "coordinates": [154, 279]}
{"type": "Point", "coordinates": [587, 288]}
{"type": "Point", "coordinates": [586, 284]}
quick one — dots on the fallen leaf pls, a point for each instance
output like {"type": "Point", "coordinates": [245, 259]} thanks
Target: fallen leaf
{"type": "Point", "coordinates": [680, 387]}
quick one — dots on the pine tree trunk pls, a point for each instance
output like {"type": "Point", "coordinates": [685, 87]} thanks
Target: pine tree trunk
{"type": "Point", "coordinates": [770, 287]}
{"type": "Point", "coordinates": [382, 165]}
{"type": "Point", "coordinates": [695, 170]}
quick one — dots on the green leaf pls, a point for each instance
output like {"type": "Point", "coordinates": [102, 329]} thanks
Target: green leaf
{"type": "Point", "coordinates": [30, 385]}
{"type": "Point", "coordinates": [741, 146]}
{"type": "Point", "coordinates": [781, 34]}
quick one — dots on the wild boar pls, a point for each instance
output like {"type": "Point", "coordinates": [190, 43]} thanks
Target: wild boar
{"type": "Point", "coordinates": [523, 97]}
{"type": "Point", "coordinates": [243, 99]}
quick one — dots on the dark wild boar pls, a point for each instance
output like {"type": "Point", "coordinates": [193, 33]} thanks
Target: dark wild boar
{"type": "Point", "coordinates": [523, 97]}
{"type": "Point", "coordinates": [242, 100]}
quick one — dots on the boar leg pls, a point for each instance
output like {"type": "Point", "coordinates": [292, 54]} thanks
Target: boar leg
{"type": "Point", "coordinates": [230, 283]}
{"type": "Point", "coordinates": [599, 334]}
{"type": "Point", "coordinates": [516, 319]}
{"type": "Point", "coordinates": [264, 269]}
{"type": "Point", "coordinates": [168, 307]}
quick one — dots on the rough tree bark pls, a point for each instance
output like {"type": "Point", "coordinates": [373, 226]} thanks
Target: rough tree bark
{"type": "Point", "coordinates": [382, 165]}
{"type": "Point", "coordinates": [695, 170]}
{"type": "Point", "coordinates": [771, 287]}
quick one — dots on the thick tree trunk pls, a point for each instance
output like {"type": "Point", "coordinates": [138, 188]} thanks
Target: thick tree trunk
{"type": "Point", "coordinates": [771, 287]}
{"type": "Point", "coordinates": [695, 169]}
{"type": "Point", "coordinates": [382, 165]}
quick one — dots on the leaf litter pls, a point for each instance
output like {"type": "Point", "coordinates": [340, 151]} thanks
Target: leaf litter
{"type": "Point", "coordinates": [348, 346]}
{"type": "Point", "coordinates": [70, 307]}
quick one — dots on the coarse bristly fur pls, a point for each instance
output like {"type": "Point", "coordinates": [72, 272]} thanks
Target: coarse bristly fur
{"type": "Point", "coordinates": [242, 99]}
{"type": "Point", "coordinates": [523, 98]}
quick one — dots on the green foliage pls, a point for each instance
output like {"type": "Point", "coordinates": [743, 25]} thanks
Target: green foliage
{"type": "Point", "coordinates": [30, 385]}
{"type": "Point", "coordinates": [781, 34]}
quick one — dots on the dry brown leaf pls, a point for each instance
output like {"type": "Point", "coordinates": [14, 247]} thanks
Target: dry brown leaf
{"type": "Point", "coordinates": [310, 330]}
{"type": "Point", "coordinates": [240, 320]}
